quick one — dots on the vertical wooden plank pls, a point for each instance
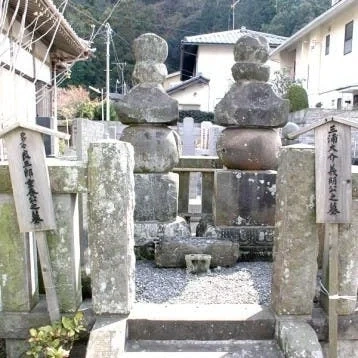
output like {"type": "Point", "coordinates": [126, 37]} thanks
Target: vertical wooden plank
{"type": "Point", "coordinates": [332, 239]}
{"type": "Point", "coordinates": [30, 180]}
{"type": "Point", "coordinates": [333, 173]}
{"type": "Point", "coordinates": [44, 256]}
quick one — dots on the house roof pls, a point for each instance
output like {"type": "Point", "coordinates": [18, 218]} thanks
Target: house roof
{"type": "Point", "coordinates": [67, 44]}
{"type": "Point", "coordinates": [199, 79]}
{"type": "Point", "coordinates": [230, 37]}
{"type": "Point", "coordinates": [331, 13]}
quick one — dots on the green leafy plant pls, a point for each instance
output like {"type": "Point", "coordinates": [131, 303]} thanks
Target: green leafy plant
{"type": "Point", "coordinates": [56, 340]}
{"type": "Point", "coordinates": [297, 96]}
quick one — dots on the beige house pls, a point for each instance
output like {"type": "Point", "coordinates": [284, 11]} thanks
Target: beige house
{"type": "Point", "coordinates": [205, 68]}
{"type": "Point", "coordinates": [37, 47]}
{"type": "Point", "coordinates": [324, 56]}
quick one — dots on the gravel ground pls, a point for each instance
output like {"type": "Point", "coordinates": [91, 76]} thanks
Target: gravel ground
{"type": "Point", "coordinates": [247, 282]}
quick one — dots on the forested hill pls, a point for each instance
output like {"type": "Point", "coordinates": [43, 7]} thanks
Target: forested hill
{"type": "Point", "coordinates": [173, 19]}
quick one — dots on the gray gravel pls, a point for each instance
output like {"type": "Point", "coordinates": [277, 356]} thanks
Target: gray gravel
{"type": "Point", "coordinates": [247, 282]}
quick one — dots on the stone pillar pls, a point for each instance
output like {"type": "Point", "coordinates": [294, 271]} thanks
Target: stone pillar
{"type": "Point", "coordinates": [111, 209]}
{"type": "Point", "coordinates": [188, 136]}
{"type": "Point", "coordinates": [148, 111]}
{"type": "Point", "coordinates": [64, 248]}
{"type": "Point", "coordinates": [296, 243]}
{"type": "Point", "coordinates": [244, 194]}
{"type": "Point", "coordinates": [18, 263]}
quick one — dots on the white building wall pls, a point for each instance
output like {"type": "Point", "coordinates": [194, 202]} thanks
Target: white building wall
{"type": "Point", "coordinates": [214, 62]}
{"type": "Point", "coordinates": [194, 97]}
{"type": "Point", "coordinates": [325, 77]}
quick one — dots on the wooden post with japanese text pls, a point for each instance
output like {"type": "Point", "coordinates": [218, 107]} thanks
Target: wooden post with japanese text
{"type": "Point", "coordinates": [333, 201]}
{"type": "Point", "coordinates": [32, 194]}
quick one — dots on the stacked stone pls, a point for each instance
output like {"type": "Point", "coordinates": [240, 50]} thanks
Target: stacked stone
{"type": "Point", "coordinates": [244, 193]}
{"type": "Point", "coordinates": [148, 111]}
{"type": "Point", "coordinates": [250, 110]}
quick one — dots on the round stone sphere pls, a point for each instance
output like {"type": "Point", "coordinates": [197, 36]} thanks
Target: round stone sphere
{"type": "Point", "coordinates": [249, 148]}
{"type": "Point", "coordinates": [251, 48]}
{"type": "Point", "coordinates": [289, 128]}
{"type": "Point", "coordinates": [150, 47]}
{"type": "Point", "coordinates": [155, 148]}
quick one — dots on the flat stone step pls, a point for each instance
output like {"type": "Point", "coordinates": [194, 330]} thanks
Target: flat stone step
{"type": "Point", "coordinates": [244, 348]}
{"type": "Point", "coordinates": [200, 322]}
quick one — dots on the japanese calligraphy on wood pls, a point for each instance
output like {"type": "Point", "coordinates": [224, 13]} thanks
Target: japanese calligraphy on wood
{"type": "Point", "coordinates": [30, 180]}
{"type": "Point", "coordinates": [333, 173]}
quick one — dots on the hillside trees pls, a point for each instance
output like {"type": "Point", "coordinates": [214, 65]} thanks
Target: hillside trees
{"type": "Point", "coordinates": [174, 19]}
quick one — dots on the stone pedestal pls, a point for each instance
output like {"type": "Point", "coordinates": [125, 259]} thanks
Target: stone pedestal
{"type": "Point", "coordinates": [111, 241]}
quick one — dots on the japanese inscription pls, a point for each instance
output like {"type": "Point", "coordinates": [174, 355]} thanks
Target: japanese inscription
{"type": "Point", "coordinates": [332, 173]}
{"type": "Point", "coordinates": [29, 180]}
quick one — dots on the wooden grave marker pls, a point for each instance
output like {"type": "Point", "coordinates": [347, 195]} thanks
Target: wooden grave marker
{"type": "Point", "coordinates": [333, 199]}
{"type": "Point", "coordinates": [32, 194]}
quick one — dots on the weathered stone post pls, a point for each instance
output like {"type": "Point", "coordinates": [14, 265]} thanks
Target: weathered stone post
{"type": "Point", "coordinates": [296, 241]}
{"type": "Point", "coordinates": [149, 110]}
{"type": "Point", "coordinates": [244, 193]}
{"type": "Point", "coordinates": [111, 208]}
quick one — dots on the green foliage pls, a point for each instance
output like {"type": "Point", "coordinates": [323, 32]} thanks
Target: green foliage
{"type": "Point", "coordinates": [297, 96]}
{"type": "Point", "coordinates": [87, 109]}
{"type": "Point", "coordinates": [173, 20]}
{"type": "Point", "coordinates": [56, 340]}
{"type": "Point", "coordinates": [198, 116]}
{"type": "Point", "coordinates": [97, 115]}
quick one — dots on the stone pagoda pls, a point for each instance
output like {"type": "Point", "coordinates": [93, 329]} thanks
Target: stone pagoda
{"type": "Point", "coordinates": [244, 193]}
{"type": "Point", "coordinates": [148, 111]}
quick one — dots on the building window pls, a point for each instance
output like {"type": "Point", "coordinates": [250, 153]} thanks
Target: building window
{"type": "Point", "coordinates": [339, 103]}
{"type": "Point", "coordinates": [348, 37]}
{"type": "Point", "coordinates": [355, 101]}
{"type": "Point", "coordinates": [328, 41]}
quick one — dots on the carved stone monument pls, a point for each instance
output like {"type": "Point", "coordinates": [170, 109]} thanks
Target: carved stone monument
{"type": "Point", "coordinates": [244, 193]}
{"type": "Point", "coordinates": [148, 111]}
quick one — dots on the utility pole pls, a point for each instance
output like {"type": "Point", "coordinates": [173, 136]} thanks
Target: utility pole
{"type": "Point", "coordinates": [121, 66]}
{"type": "Point", "coordinates": [108, 40]}
{"type": "Point", "coordinates": [233, 12]}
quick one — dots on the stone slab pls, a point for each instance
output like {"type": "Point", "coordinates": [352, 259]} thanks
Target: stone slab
{"type": "Point", "coordinates": [230, 348]}
{"type": "Point", "coordinates": [297, 339]}
{"type": "Point", "coordinates": [171, 252]}
{"type": "Point", "coordinates": [200, 322]}
{"type": "Point", "coordinates": [244, 198]}
{"type": "Point", "coordinates": [296, 243]}
{"type": "Point", "coordinates": [345, 349]}
{"type": "Point", "coordinates": [156, 197]}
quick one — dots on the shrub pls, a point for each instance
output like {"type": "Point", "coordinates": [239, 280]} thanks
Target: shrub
{"type": "Point", "coordinates": [297, 96]}
{"type": "Point", "coordinates": [55, 340]}
{"type": "Point", "coordinates": [198, 116]}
